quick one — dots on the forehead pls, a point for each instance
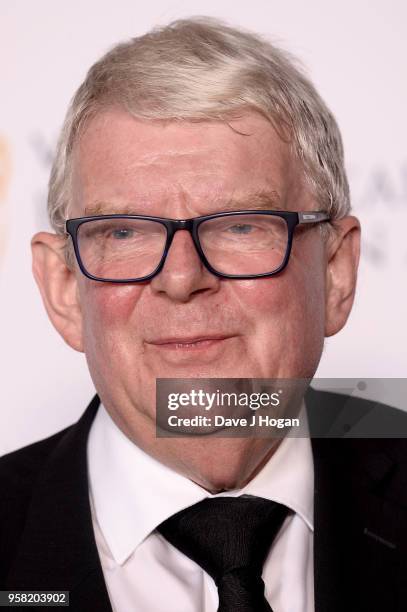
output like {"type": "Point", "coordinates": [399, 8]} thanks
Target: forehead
{"type": "Point", "coordinates": [121, 163]}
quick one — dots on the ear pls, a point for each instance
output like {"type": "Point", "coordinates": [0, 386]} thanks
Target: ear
{"type": "Point", "coordinates": [343, 249]}
{"type": "Point", "coordinates": [58, 286]}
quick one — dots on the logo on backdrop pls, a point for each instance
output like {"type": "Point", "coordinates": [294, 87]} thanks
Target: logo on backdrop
{"type": "Point", "coordinates": [379, 197]}
{"type": "Point", "coordinates": [44, 151]}
{"type": "Point", "coordinates": [5, 175]}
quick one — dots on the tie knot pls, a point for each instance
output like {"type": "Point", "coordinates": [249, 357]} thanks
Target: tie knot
{"type": "Point", "coordinates": [229, 537]}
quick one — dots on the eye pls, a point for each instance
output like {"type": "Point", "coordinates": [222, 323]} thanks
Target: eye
{"type": "Point", "coordinates": [241, 228]}
{"type": "Point", "coordinates": [122, 233]}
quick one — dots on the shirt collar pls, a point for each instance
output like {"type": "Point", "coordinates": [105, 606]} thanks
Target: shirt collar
{"type": "Point", "coordinates": [132, 493]}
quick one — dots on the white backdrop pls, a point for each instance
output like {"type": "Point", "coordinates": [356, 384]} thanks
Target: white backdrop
{"type": "Point", "coordinates": [355, 52]}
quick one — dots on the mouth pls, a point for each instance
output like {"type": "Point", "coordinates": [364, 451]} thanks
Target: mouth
{"type": "Point", "coordinates": [195, 343]}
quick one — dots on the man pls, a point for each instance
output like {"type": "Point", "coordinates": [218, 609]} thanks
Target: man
{"type": "Point", "coordinates": [197, 121]}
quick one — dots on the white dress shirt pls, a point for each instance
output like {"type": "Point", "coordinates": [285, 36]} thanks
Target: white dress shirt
{"type": "Point", "coordinates": [131, 494]}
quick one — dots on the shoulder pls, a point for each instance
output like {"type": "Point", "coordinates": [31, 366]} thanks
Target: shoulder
{"type": "Point", "coordinates": [338, 415]}
{"type": "Point", "coordinates": [359, 453]}
{"type": "Point", "coordinates": [34, 480]}
{"type": "Point", "coordinates": [19, 469]}
{"type": "Point", "coordinates": [19, 473]}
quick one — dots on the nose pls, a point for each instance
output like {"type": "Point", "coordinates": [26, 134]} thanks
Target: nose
{"type": "Point", "coordinates": [184, 275]}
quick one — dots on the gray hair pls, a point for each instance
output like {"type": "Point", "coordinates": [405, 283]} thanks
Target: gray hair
{"type": "Point", "coordinates": [201, 69]}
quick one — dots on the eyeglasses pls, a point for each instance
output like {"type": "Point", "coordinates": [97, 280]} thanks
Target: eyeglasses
{"type": "Point", "coordinates": [239, 244]}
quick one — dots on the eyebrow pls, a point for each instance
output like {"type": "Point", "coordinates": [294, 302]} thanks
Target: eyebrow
{"type": "Point", "coordinates": [258, 200]}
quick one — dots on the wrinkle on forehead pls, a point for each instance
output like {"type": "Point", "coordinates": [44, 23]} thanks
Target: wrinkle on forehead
{"type": "Point", "coordinates": [130, 167]}
{"type": "Point", "coordinates": [168, 155]}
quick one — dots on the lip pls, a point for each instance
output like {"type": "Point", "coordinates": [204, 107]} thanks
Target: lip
{"type": "Point", "coordinates": [190, 342]}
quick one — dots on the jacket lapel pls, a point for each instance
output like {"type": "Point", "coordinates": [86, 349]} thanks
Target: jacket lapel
{"type": "Point", "coordinates": [58, 549]}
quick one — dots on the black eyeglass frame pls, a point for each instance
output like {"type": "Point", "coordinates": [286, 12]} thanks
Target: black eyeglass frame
{"type": "Point", "coordinates": [191, 225]}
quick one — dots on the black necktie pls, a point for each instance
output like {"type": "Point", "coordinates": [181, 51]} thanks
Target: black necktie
{"type": "Point", "coordinates": [229, 537]}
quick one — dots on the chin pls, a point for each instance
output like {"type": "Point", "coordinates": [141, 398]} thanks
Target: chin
{"type": "Point", "coordinates": [229, 464]}
{"type": "Point", "coordinates": [218, 483]}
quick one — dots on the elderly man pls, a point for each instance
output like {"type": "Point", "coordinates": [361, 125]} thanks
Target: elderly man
{"type": "Point", "coordinates": [202, 230]}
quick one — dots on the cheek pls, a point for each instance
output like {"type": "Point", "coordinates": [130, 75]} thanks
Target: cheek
{"type": "Point", "coordinates": [286, 314]}
{"type": "Point", "coordinates": [272, 299]}
{"type": "Point", "coordinates": [107, 312]}
{"type": "Point", "coordinates": [298, 289]}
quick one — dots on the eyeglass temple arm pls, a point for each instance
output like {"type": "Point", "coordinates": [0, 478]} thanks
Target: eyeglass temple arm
{"type": "Point", "coordinates": [312, 217]}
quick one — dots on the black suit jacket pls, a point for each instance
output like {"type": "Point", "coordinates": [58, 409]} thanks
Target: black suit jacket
{"type": "Point", "coordinates": [360, 545]}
